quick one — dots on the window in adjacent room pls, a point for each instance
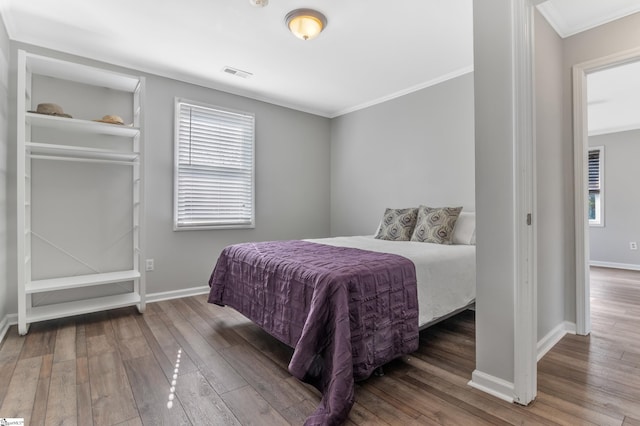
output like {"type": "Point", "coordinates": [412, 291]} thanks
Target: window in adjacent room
{"type": "Point", "coordinates": [214, 167]}
{"type": "Point", "coordinates": [596, 195]}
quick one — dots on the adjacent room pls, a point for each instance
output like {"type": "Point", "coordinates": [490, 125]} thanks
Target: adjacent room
{"type": "Point", "coordinates": [268, 212]}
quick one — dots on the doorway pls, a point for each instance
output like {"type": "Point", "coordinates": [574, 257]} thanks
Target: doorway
{"type": "Point", "coordinates": [581, 73]}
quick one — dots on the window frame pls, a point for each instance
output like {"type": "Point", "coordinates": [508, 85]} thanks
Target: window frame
{"type": "Point", "coordinates": [599, 208]}
{"type": "Point", "coordinates": [176, 170]}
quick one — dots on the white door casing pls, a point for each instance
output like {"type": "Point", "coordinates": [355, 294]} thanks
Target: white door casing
{"type": "Point", "coordinates": [525, 303]}
{"type": "Point", "coordinates": [580, 167]}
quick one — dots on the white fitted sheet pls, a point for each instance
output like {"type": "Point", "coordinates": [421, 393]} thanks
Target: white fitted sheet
{"type": "Point", "coordinates": [446, 274]}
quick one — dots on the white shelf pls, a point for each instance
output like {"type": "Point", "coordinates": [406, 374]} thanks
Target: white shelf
{"type": "Point", "coordinates": [80, 126]}
{"type": "Point", "coordinates": [64, 283]}
{"type": "Point", "coordinates": [127, 150]}
{"type": "Point", "coordinates": [80, 152]}
{"type": "Point", "coordinates": [43, 65]}
{"type": "Point", "coordinates": [84, 306]}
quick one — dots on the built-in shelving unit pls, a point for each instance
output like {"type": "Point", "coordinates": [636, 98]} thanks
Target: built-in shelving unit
{"type": "Point", "coordinates": [71, 153]}
{"type": "Point", "coordinates": [43, 138]}
{"type": "Point", "coordinates": [76, 125]}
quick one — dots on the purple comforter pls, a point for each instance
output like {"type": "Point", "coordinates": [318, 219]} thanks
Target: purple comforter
{"type": "Point", "coordinates": [345, 311]}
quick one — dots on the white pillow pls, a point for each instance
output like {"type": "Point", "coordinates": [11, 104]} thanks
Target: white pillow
{"type": "Point", "coordinates": [465, 229]}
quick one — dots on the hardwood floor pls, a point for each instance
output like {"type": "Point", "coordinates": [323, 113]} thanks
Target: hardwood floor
{"type": "Point", "coordinates": [117, 368]}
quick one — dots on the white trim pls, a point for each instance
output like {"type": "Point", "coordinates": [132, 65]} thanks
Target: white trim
{"type": "Point", "coordinates": [7, 321]}
{"type": "Point", "coordinates": [580, 147]}
{"type": "Point", "coordinates": [554, 18]}
{"type": "Point", "coordinates": [525, 292]}
{"type": "Point", "coordinates": [554, 336]}
{"type": "Point", "coordinates": [177, 294]}
{"type": "Point", "coordinates": [12, 319]}
{"type": "Point", "coordinates": [581, 179]}
{"type": "Point", "coordinates": [23, 270]}
{"type": "Point", "coordinates": [441, 79]}
{"type": "Point", "coordinates": [492, 385]}
{"type": "Point", "coordinates": [564, 30]}
{"type": "Point", "coordinates": [615, 265]}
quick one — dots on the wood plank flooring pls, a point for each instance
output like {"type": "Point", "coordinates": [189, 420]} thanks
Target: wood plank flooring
{"type": "Point", "coordinates": [212, 366]}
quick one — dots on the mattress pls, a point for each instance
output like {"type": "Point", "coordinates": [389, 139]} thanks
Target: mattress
{"type": "Point", "coordinates": [446, 274]}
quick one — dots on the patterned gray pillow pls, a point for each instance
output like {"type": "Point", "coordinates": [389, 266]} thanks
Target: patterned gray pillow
{"type": "Point", "coordinates": [435, 225]}
{"type": "Point", "coordinates": [397, 224]}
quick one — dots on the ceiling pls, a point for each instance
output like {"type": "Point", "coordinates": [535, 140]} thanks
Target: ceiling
{"type": "Point", "coordinates": [613, 99]}
{"type": "Point", "coordinates": [364, 56]}
{"type": "Point", "coordinates": [569, 17]}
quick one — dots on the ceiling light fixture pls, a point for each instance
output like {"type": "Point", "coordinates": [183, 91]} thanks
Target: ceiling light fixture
{"type": "Point", "coordinates": [258, 3]}
{"type": "Point", "coordinates": [305, 24]}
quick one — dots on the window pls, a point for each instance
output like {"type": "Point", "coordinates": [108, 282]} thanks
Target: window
{"type": "Point", "coordinates": [596, 196]}
{"type": "Point", "coordinates": [214, 167]}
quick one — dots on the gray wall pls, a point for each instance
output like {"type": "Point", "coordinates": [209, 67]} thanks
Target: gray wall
{"type": "Point", "coordinates": [4, 142]}
{"type": "Point", "coordinates": [610, 244]}
{"type": "Point", "coordinates": [495, 201]}
{"type": "Point", "coordinates": [292, 181]}
{"type": "Point", "coordinates": [416, 149]}
{"type": "Point", "coordinates": [78, 208]}
{"type": "Point", "coordinates": [554, 260]}
{"type": "Point", "coordinates": [614, 37]}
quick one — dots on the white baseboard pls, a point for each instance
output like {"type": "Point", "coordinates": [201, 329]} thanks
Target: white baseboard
{"type": "Point", "coordinates": [177, 294]}
{"type": "Point", "coordinates": [629, 266]}
{"type": "Point", "coordinates": [492, 385]}
{"type": "Point", "coordinates": [12, 319]}
{"type": "Point", "coordinates": [554, 336]}
{"type": "Point", "coordinates": [505, 390]}
{"type": "Point", "coordinates": [5, 323]}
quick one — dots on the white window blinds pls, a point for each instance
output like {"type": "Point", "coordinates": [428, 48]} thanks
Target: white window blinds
{"type": "Point", "coordinates": [596, 186]}
{"type": "Point", "coordinates": [594, 170]}
{"type": "Point", "coordinates": [214, 170]}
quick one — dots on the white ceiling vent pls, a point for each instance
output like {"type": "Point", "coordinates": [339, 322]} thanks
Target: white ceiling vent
{"type": "Point", "coordinates": [237, 72]}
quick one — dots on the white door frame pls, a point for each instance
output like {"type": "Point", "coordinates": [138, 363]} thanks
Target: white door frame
{"type": "Point", "coordinates": [525, 292]}
{"type": "Point", "coordinates": [580, 149]}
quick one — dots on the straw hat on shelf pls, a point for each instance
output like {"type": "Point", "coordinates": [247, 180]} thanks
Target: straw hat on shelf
{"type": "Point", "coordinates": [111, 119]}
{"type": "Point", "coordinates": [51, 109]}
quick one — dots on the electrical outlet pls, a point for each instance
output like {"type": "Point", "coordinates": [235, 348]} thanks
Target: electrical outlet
{"type": "Point", "coordinates": [633, 245]}
{"type": "Point", "coordinates": [149, 266]}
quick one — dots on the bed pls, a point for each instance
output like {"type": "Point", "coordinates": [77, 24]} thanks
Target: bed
{"type": "Point", "coordinates": [347, 305]}
{"type": "Point", "coordinates": [445, 274]}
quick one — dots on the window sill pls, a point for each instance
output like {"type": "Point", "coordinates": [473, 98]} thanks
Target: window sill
{"type": "Point", "coordinates": [212, 228]}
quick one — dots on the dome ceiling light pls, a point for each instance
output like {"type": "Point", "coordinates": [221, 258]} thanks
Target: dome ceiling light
{"type": "Point", "coordinates": [305, 24]}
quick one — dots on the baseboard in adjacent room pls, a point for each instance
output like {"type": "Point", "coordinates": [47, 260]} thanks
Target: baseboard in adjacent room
{"type": "Point", "coordinates": [554, 336]}
{"type": "Point", "coordinates": [615, 265]}
{"type": "Point", "coordinates": [492, 385]}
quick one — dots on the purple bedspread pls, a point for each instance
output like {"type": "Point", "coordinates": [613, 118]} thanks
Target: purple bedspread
{"type": "Point", "coordinates": [345, 311]}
